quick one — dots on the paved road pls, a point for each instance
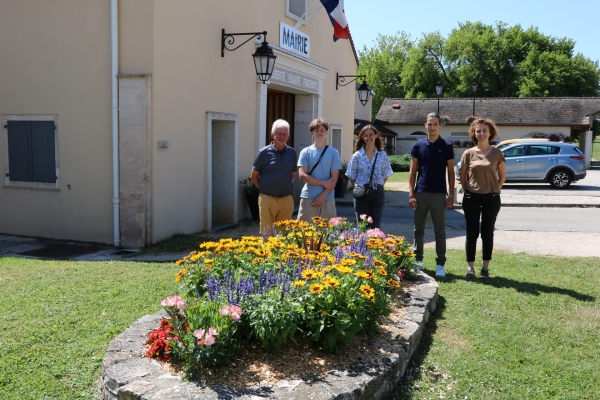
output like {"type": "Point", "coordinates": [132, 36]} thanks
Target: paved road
{"type": "Point", "coordinates": [534, 230]}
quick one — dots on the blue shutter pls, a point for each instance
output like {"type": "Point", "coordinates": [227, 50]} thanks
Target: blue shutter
{"type": "Point", "coordinates": [43, 151]}
{"type": "Point", "coordinates": [19, 151]}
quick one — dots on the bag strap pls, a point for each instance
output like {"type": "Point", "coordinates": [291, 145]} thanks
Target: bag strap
{"type": "Point", "coordinates": [319, 160]}
{"type": "Point", "coordinates": [373, 169]}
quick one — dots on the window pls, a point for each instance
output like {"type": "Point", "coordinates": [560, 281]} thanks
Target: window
{"type": "Point", "coordinates": [296, 9]}
{"type": "Point", "coordinates": [543, 149]}
{"type": "Point", "coordinates": [30, 152]}
{"type": "Point", "coordinates": [515, 151]}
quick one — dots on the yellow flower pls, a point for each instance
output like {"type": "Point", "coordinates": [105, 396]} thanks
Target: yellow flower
{"type": "Point", "coordinates": [342, 269]}
{"type": "Point", "coordinates": [258, 260]}
{"type": "Point", "coordinates": [316, 288]}
{"type": "Point", "coordinates": [299, 283]}
{"type": "Point", "coordinates": [180, 274]}
{"type": "Point", "coordinates": [209, 261]}
{"type": "Point", "coordinates": [362, 274]}
{"type": "Point", "coordinates": [331, 282]}
{"type": "Point", "coordinates": [367, 291]}
{"type": "Point", "coordinates": [382, 271]}
{"type": "Point", "coordinates": [358, 255]}
{"type": "Point", "coordinates": [378, 263]}
{"type": "Point", "coordinates": [347, 262]}
{"type": "Point", "coordinates": [309, 274]}
{"type": "Point", "coordinates": [393, 283]}
{"type": "Point", "coordinates": [324, 313]}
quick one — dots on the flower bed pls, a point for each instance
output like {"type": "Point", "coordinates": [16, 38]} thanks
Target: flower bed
{"type": "Point", "coordinates": [324, 282]}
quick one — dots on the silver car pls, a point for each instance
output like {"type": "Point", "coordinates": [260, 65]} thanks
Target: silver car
{"type": "Point", "coordinates": [553, 162]}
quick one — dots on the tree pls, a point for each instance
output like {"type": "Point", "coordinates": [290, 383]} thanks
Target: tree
{"type": "Point", "coordinates": [504, 61]}
{"type": "Point", "coordinates": [383, 64]}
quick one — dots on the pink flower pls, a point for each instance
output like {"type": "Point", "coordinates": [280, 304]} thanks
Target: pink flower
{"type": "Point", "coordinates": [199, 333]}
{"type": "Point", "coordinates": [174, 301]}
{"type": "Point", "coordinates": [212, 332]}
{"type": "Point", "coordinates": [235, 312]}
{"type": "Point", "coordinates": [337, 221]}
{"type": "Point", "coordinates": [370, 220]}
{"type": "Point", "coordinates": [375, 233]}
{"type": "Point", "coordinates": [400, 275]}
{"type": "Point", "coordinates": [209, 340]}
{"type": "Point", "coordinates": [363, 216]}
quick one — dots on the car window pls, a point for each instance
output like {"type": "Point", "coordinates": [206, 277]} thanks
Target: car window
{"type": "Point", "coordinates": [514, 151]}
{"type": "Point", "coordinates": [538, 149]}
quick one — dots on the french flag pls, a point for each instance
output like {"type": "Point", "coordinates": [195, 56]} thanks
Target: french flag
{"type": "Point", "coordinates": [335, 9]}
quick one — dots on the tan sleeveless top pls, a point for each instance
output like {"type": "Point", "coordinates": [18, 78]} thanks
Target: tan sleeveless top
{"type": "Point", "coordinates": [482, 171]}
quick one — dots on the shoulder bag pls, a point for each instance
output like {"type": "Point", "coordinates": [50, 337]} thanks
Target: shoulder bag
{"type": "Point", "coordinates": [364, 192]}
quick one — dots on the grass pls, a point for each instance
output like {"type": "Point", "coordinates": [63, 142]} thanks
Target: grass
{"type": "Point", "coordinates": [596, 149]}
{"type": "Point", "coordinates": [398, 177]}
{"type": "Point", "coordinates": [532, 331]}
{"type": "Point", "coordinates": [58, 318]}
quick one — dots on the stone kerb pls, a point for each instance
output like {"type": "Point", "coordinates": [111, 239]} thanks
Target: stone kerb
{"type": "Point", "coordinates": [128, 374]}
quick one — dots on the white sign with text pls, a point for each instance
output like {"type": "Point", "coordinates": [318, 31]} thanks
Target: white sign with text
{"type": "Point", "coordinates": [293, 40]}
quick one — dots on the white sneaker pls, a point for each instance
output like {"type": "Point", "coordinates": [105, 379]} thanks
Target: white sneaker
{"type": "Point", "coordinates": [440, 272]}
{"type": "Point", "coordinates": [419, 265]}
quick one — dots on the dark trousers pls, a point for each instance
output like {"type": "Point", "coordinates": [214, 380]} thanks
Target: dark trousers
{"type": "Point", "coordinates": [373, 207]}
{"type": "Point", "coordinates": [480, 208]}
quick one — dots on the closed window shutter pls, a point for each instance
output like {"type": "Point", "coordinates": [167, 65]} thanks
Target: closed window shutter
{"type": "Point", "coordinates": [43, 151]}
{"type": "Point", "coordinates": [31, 151]}
{"type": "Point", "coordinates": [19, 151]}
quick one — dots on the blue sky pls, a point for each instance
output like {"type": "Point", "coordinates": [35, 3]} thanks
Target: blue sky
{"type": "Point", "coordinates": [574, 19]}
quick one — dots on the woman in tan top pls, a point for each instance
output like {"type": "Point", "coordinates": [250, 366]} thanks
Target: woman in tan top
{"type": "Point", "coordinates": [482, 175]}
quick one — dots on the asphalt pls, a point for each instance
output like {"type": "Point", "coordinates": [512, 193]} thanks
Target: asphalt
{"type": "Point", "coordinates": [582, 194]}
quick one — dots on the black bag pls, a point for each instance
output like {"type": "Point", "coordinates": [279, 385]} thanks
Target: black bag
{"type": "Point", "coordinates": [364, 192]}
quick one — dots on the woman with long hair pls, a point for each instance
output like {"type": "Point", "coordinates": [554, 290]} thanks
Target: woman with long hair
{"type": "Point", "coordinates": [482, 175]}
{"type": "Point", "coordinates": [368, 158]}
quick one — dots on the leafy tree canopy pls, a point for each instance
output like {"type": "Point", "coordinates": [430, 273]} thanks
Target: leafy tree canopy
{"type": "Point", "coordinates": [504, 61]}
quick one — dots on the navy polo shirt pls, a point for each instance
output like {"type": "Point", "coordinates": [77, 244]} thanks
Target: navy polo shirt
{"type": "Point", "coordinates": [275, 168]}
{"type": "Point", "coordinates": [433, 159]}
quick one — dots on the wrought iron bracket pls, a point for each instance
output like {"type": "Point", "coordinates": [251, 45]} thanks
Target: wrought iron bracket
{"type": "Point", "coordinates": [228, 39]}
{"type": "Point", "coordinates": [340, 79]}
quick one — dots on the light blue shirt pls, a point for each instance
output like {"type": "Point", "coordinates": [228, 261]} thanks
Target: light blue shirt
{"type": "Point", "coordinates": [359, 168]}
{"type": "Point", "coordinates": [308, 158]}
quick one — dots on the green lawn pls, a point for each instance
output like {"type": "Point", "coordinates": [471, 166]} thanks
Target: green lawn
{"type": "Point", "coordinates": [531, 332]}
{"type": "Point", "coordinates": [58, 318]}
{"type": "Point", "coordinates": [399, 177]}
{"type": "Point", "coordinates": [596, 149]}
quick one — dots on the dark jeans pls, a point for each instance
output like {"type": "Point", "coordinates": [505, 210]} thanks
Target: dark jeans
{"type": "Point", "coordinates": [484, 208]}
{"type": "Point", "coordinates": [373, 208]}
{"type": "Point", "coordinates": [435, 205]}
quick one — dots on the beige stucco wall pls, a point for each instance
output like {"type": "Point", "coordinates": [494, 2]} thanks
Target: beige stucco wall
{"type": "Point", "coordinates": [56, 60]}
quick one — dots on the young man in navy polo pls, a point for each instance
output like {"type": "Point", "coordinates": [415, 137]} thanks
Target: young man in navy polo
{"type": "Point", "coordinates": [433, 158]}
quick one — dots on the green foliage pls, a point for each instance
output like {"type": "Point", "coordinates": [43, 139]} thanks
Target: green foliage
{"type": "Point", "coordinates": [400, 163]}
{"type": "Point", "coordinates": [504, 61]}
{"type": "Point", "coordinates": [383, 64]}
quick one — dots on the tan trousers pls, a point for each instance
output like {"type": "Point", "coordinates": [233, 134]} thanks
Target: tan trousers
{"type": "Point", "coordinates": [307, 211]}
{"type": "Point", "coordinates": [273, 209]}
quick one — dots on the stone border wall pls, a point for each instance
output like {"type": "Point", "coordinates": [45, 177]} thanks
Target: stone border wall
{"type": "Point", "coordinates": [128, 374]}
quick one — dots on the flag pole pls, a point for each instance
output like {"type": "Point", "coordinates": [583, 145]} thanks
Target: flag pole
{"type": "Point", "coordinates": [302, 19]}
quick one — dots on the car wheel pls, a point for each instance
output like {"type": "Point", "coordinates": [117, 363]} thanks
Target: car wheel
{"type": "Point", "coordinates": [560, 179]}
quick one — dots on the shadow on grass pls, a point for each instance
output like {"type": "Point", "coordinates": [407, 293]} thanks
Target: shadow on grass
{"type": "Point", "coordinates": [406, 388]}
{"type": "Point", "coordinates": [501, 282]}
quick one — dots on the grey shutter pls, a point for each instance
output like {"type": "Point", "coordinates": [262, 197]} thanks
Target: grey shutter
{"type": "Point", "coordinates": [43, 151]}
{"type": "Point", "coordinates": [19, 151]}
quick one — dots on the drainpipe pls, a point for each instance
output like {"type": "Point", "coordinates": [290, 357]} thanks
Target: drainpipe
{"type": "Point", "coordinates": [114, 49]}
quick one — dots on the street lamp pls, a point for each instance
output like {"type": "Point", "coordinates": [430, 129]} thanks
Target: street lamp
{"type": "Point", "coordinates": [438, 90]}
{"type": "Point", "coordinates": [474, 87]}
{"type": "Point", "coordinates": [363, 90]}
{"type": "Point", "coordinates": [264, 59]}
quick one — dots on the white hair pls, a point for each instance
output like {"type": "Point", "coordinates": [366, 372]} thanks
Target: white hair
{"type": "Point", "coordinates": [280, 123]}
